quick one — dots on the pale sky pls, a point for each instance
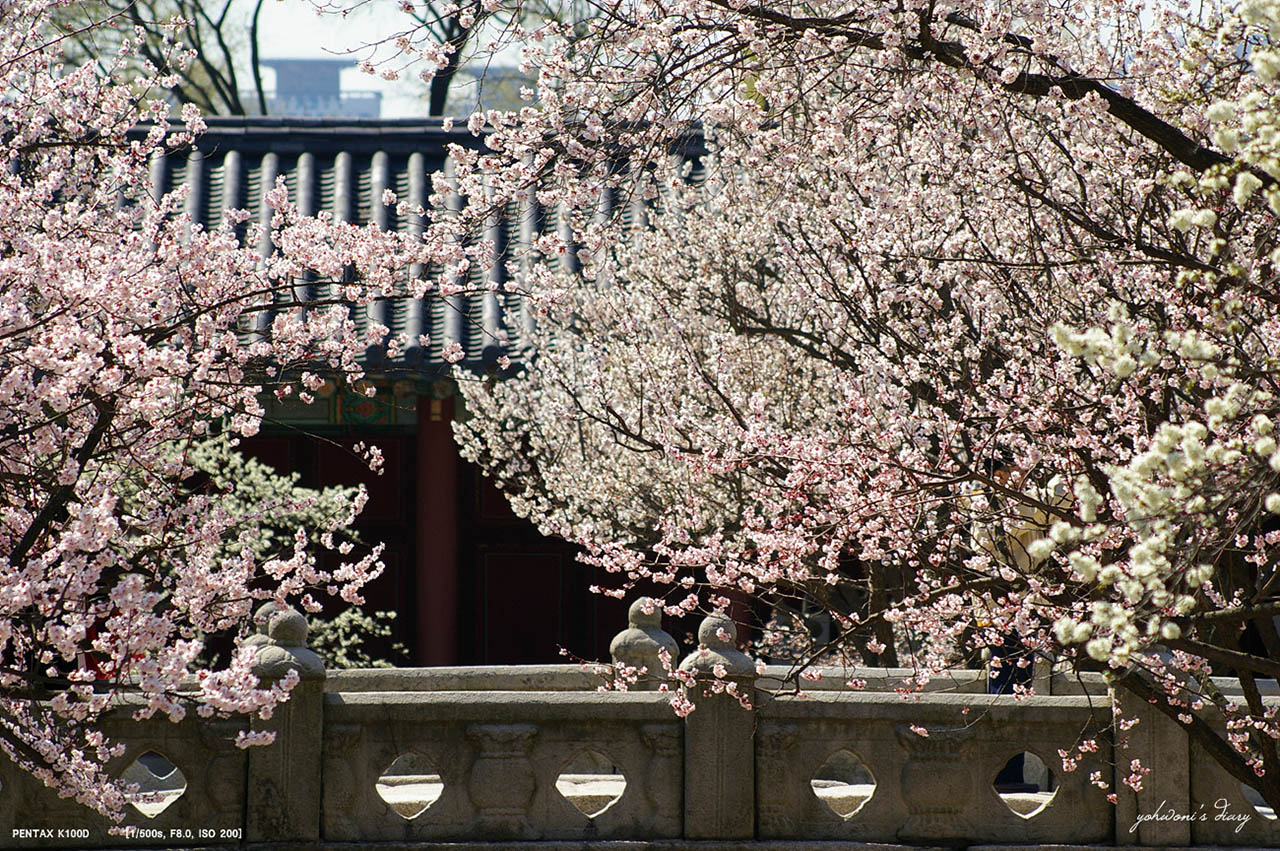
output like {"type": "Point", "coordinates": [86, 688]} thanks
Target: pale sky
{"type": "Point", "coordinates": [290, 29]}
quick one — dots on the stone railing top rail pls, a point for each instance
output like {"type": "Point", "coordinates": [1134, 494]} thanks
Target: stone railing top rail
{"type": "Point", "coordinates": [578, 678]}
{"type": "Point", "coordinates": [501, 706]}
{"type": "Point", "coordinates": [1067, 682]}
{"type": "Point", "coordinates": [466, 678]}
{"type": "Point", "coordinates": [837, 678]}
{"type": "Point", "coordinates": [553, 678]}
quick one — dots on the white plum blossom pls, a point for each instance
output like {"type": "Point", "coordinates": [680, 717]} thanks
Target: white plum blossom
{"type": "Point", "coordinates": [960, 330]}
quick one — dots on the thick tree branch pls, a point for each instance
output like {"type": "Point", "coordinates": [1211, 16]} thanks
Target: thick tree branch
{"type": "Point", "coordinates": [1234, 658]}
{"type": "Point", "coordinates": [1071, 86]}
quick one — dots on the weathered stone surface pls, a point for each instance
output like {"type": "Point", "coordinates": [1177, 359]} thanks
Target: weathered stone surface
{"type": "Point", "coordinates": [543, 678]}
{"type": "Point", "coordinates": [212, 769]}
{"type": "Point", "coordinates": [641, 644]}
{"type": "Point", "coordinates": [282, 803]}
{"type": "Point", "coordinates": [719, 755]}
{"type": "Point", "coordinates": [1163, 747]}
{"type": "Point", "coordinates": [286, 649]}
{"type": "Point", "coordinates": [1224, 815]}
{"type": "Point", "coordinates": [503, 761]}
{"type": "Point", "coordinates": [796, 736]}
{"type": "Point", "coordinates": [935, 782]}
{"type": "Point", "coordinates": [718, 651]}
{"type": "Point", "coordinates": [539, 678]}
{"type": "Point", "coordinates": [836, 678]}
{"type": "Point", "coordinates": [490, 730]}
{"type": "Point", "coordinates": [261, 621]}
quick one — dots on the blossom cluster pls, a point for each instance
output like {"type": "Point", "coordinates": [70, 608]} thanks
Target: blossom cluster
{"type": "Point", "coordinates": [134, 353]}
{"type": "Point", "coordinates": [961, 329]}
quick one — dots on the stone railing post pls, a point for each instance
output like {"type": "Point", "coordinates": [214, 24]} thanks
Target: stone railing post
{"type": "Point", "coordinates": [283, 799]}
{"type": "Point", "coordinates": [641, 643]}
{"type": "Point", "coordinates": [719, 746]}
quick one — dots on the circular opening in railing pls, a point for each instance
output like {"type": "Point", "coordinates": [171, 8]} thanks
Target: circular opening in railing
{"type": "Point", "coordinates": [410, 785]}
{"type": "Point", "coordinates": [591, 782]}
{"type": "Point", "coordinates": [1025, 784]}
{"type": "Point", "coordinates": [843, 783]}
{"type": "Point", "coordinates": [1254, 797]}
{"type": "Point", "coordinates": [159, 783]}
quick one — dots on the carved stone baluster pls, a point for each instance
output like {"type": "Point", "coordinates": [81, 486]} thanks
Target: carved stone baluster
{"type": "Point", "coordinates": [937, 784]}
{"type": "Point", "coordinates": [502, 781]}
{"type": "Point", "coordinates": [224, 763]}
{"type": "Point", "coordinates": [346, 778]}
{"type": "Point", "coordinates": [663, 780]}
{"type": "Point", "coordinates": [776, 802]}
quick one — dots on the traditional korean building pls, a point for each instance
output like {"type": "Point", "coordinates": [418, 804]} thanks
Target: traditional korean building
{"type": "Point", "coordinates": [471, 582]}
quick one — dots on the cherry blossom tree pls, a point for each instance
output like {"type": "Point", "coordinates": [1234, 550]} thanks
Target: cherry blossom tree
{"type": "Point", "coordinates": [971, 303]}
{"type": "Point", "coordinates": [129, 337]}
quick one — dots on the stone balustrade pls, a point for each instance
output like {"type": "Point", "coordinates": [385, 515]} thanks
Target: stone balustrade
{"type": "Point", "coordinates": [489, 756]}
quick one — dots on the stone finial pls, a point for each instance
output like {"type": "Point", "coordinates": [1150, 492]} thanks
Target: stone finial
{"type": "Point", "coordinates": [645, 613]}
{"type": "Point", "coordinates": [713, 650]}
{"type": "Point", "coordinates": [288, 628]}
{"type": "Point", "coordinates": [286, 648]}
{"type": "Point", "coordinates": [261, 619]}
{"type": "Point", "coordinates": [639, 644]}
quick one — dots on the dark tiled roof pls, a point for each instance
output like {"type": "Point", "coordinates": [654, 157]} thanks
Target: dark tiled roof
{"type": "Point", "coordinates": [343, 166]}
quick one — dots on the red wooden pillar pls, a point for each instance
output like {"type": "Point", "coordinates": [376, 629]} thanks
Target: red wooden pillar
{"type": "Point", "coordinates": [437, 526]}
